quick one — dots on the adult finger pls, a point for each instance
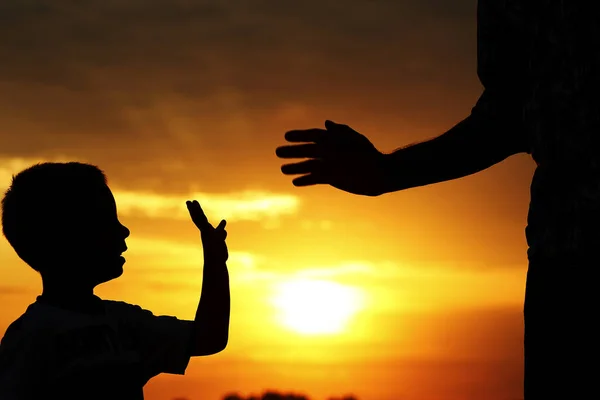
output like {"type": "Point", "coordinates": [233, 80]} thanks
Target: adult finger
{"type": "Point", "coordinates": [310, 150]}
{"type": "Point", "coordinates": [304, 167]}
{"type": "Point", "coordinates": [330, 124]}
{"type": "Point", "coordinates": [221, 225]}
{"type": "Point", "coordinates": [305, 135]}
{"type": "Point", "coordinates": [333, 125]}
{"type": "Point", "coordinates": [334, 129]}
{"type": "Point", "coordinates": [310, 180]}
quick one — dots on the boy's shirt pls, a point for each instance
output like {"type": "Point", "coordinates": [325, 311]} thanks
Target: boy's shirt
{"type": "Point", "coordinates": [51, 352]}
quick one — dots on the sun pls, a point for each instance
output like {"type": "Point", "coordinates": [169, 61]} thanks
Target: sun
{"type": "Point", "coordinates": [316, 307]}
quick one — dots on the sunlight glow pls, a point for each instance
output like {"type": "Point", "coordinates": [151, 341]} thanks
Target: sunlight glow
{"type": "Point", "coordinates": [316, 307]}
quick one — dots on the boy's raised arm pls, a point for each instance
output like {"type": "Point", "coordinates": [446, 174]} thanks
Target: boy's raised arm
{"type": "Point", "coordinates": [211, 324]}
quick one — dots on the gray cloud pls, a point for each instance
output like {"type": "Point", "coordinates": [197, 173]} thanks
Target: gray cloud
{"type": "Point", "coordinates": [99, 77]}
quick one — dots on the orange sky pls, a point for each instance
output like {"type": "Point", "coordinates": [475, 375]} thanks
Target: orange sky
{"type": "Point", "coordinates": [188, 99]}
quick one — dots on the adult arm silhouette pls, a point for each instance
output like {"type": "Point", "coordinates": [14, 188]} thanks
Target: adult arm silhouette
{"type": "Point", "coordinates": [345, 159]}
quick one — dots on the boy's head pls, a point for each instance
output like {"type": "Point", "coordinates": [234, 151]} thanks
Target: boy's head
{"type": "Point", "coordinates": [61, 219]}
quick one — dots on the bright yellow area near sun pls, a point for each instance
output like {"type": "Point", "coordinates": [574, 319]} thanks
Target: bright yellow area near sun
{"type": "Point", "coordinates": [316, 307]}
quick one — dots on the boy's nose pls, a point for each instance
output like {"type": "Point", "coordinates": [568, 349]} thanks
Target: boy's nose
{"type": "Point", "coordinates": [126, 231]}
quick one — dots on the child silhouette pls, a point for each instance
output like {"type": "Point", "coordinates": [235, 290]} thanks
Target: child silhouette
{"type": "Point", "coordinates": [61, 219]}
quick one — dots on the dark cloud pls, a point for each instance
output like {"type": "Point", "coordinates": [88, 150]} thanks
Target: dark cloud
{"type": "Point", "coordinates": [98, 77]}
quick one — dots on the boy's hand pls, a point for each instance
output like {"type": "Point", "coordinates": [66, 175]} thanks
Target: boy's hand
{"type": "Point", "coordinates": [213, 239]}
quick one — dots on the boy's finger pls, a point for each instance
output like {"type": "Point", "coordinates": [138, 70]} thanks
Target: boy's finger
{"type": "Point", "coordinates": [221, 225]}
{"type": "Point", "coordinates": [197, 215]}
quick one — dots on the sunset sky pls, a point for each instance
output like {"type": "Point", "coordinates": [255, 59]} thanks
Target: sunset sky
{"type": "Point", "coordinates": [415, 295]}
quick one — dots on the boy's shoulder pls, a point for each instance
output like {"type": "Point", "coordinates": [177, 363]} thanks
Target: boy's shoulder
{"type": "Point", "coordinates": [26, 334]}
{"type": "Point", "coordinates": [127, 314]}
{"type": "Point", "coordinates": [42, 323]}
{"type": "Point", "coordinates": [32, 323]}
{"type": "Point", "coordinates": [42, 320]}
{"type": "Point", "coordinates": [131, 315]}
{"type": "Point", "coordinates": [11, 337]}
{"type": "Point", "coordinates": [121, 307]}
{"type": "Point", "coordinates": [14, 328]}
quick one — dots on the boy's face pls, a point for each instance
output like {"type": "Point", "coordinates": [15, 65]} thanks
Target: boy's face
{"type": "Point", "coordinates": [95, 239]}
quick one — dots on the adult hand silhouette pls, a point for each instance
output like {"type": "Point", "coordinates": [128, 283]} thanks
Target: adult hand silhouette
{"type": "Point", "coordinates": [213, 239]}
{"type": "Point", "coordinates": [338, 156]}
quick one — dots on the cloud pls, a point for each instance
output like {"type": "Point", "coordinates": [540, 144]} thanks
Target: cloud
{"type": "Point", "coordinates": [10, 166]}
{"type": "Point", "coordinates": [407, 286]}
{"type": "Point", "coordinates": [164, 93]}
{"type": "Point", "coordinates": [249, 205]}
{"type": "Point", "coordinates": [170, 265]}
{"type": "Point", "coordinates": [322, 225]}
{"type": "Point", "coordinates": [239, 42]}
{"type": "Point", "coordinates": [233, 206]}
{"type": "Point", "coordinates": [394, 284]}
{"type": "Point", "coordinates": [9, 290]}
{"type": "Point", "coordinates": [182, 254]}
{"type": "Point", "coordinates": [257, 267]}
{"type": "Point", "coordinates": [183, 258]}
{"type": "Point", "coordinates": [83, 70]}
